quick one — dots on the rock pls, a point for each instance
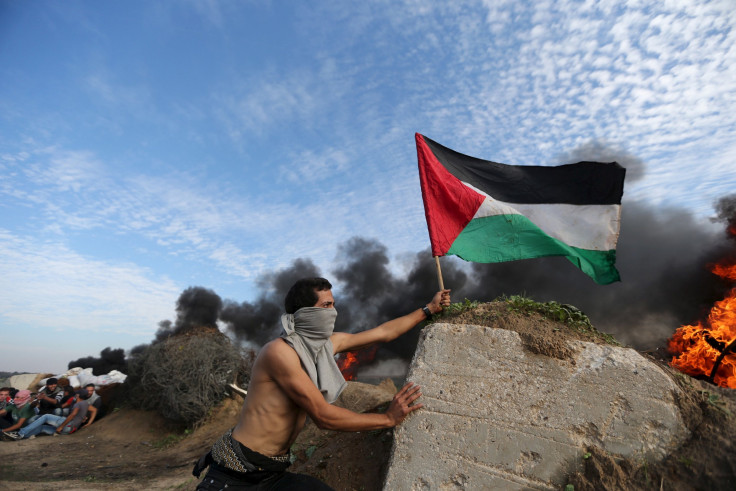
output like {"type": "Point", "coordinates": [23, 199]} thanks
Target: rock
{"type": "Point", "coordinates": [498, 416]}
{"type": "Point", "coordinates": [24, 381]}
{"type": "Point", "coordinates": [361, 397]}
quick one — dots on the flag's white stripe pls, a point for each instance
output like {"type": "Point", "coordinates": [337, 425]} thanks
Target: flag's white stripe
{"type": "Point", "coordinates": [592, 227]}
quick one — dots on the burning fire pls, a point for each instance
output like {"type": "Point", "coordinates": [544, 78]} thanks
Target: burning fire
{"type": "Point", "coordinates": [349, 361]}
{"type": "Point", "coordinates": [709, 344]}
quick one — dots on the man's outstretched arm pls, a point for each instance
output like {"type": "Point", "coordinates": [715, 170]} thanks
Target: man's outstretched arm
{"type": "Point", "coordinates": [284, 366]}
{"type": "Point", "coordinates": [388, 331]}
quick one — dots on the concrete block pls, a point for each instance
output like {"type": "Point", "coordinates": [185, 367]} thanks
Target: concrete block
{"type": "Point", "coordinates": [497, 416]}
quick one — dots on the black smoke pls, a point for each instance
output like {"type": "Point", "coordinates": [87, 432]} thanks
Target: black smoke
{"type": "Point", "coordinates": [109, 359]}
{"type": "Point", "coordinates": [366, 292]}
{"type": "Point", "coordinates": [258, 322]}
{"type": "Point", "coordinates": [726, 213]}
{"type": "Point", "coordinates": [196, 307]}
{"type": "Point", "coordinates": [663, 256]}
{"type": "Point", "coordinates": [371, 292]}
{"type": "Point", "coordinates": [602, 151]}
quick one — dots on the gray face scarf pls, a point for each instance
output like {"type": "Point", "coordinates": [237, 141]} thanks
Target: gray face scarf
{"type": "Point", "coordinates": [308, 331]}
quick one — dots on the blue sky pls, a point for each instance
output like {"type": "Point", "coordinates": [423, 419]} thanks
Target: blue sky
{"type": "Point", "coordinates": [150, 146]}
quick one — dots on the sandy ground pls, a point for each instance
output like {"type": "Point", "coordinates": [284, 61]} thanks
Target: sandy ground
{"type": "Point", "coordinates": [131, 449]}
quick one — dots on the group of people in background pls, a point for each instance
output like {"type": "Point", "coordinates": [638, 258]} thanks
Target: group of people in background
{"type": "Point", "coordinates": [53, 410]}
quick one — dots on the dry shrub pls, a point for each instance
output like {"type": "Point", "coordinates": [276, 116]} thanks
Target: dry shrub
{"type": "Point", "coordinates": [184, 376]}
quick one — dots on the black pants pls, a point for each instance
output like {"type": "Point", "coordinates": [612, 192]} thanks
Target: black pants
{"type": "Point", "coordinates": [46, 408]}
{"type": "Point", "coordinates": [6, 421]}
{"type": "Point", "coordinates": [216, 480]}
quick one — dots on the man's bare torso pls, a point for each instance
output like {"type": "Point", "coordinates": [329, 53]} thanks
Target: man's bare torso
{"type": "Point", "coordinates": [269, 421]}
{"type": "Point", "coordinates": [281, 393]}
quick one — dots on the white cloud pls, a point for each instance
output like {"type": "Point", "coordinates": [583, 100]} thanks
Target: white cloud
{"type": "Point", "coordinates": [310, 166]}
{"type": "Point", "coordinates": [66, 170]}
{"type": "Point", "coordinates": [509, 81]}
{"type": "Point", "coordinates": [210, 10]}
{"type": "Point", "coordinates": [256, 105]}
{"type": "Point", "coordinates": [124, 97]}
{"type": "Point", "coordinates": [47, 285]}
{"type": "Point", "coordinates": [240, 234]}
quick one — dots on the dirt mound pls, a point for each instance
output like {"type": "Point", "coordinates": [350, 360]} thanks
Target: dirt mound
{"type": "Point", "coordinates": [348, 461]}
{"type": "Point", "coordinates": [538, 332]}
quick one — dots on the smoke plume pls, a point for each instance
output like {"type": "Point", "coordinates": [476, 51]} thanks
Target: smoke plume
{"type": "Point", "coordinates": [109, 359]}
{"type": "Point", "coordinates": [662, 260]}
{"type": "Point", "coordinates": [196, 307]}
{"type": "Point", "coordinates": [662, 255]}
{"type": "Point", "coordinates": [257, 323]}
{"type": "Point", "coordinates": [726, 212]}
{"type": "Point", "coordinates": [602, 151]}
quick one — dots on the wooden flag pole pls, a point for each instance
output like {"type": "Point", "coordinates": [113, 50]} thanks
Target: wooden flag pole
{"type": "Point", "coordinates": [439, 272]}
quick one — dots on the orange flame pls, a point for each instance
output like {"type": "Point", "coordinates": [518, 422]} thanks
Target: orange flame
{"type": "Point", "coordinates": [726, 271]}
{"type": "Point", "coordinates": [349, 361]}
{"type": "Point", "coordinates": [697, 347]}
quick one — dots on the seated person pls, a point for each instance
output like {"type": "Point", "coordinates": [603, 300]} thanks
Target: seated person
{"type": "Point", "coordinates": [65, 405]}
{"type": "Point", "coordinates": [6, 400]}
{"type": "Point", "coordinates": [94, 398]}
{"type": "Point", "coordinates": [50, 396]}
{"type": "Point", "coordinates": [51, 424]}
{"type": "Point", "coordinates": [20, 412]}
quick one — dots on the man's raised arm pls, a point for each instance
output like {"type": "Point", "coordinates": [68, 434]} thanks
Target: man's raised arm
{"type": "Point", "coordinates": [388, 331]}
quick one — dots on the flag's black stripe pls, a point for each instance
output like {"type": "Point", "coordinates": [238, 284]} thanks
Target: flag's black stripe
{"type": "Point", "coordinates": [584, 183]}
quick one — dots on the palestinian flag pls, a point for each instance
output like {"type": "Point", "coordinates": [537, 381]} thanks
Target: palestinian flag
{"type": "Point", "coordinates": [487, 212]}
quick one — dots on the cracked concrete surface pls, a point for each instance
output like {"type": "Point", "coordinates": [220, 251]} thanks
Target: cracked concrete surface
{"type": "Point", "coordinates": [499, 416]}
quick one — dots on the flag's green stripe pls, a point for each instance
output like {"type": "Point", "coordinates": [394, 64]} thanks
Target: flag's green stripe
{"type": "Point", "coordinates": [500, 238]}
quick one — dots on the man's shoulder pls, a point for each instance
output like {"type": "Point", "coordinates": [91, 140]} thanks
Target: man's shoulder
{"type": "Point", "coordinates": [25, 411]}
{"type": "Point", "coordinates": [275, 346]}
{"type": "Point", "coordinates": [277, 349]}
{"type": "Point", "coordinates": [277, 355]}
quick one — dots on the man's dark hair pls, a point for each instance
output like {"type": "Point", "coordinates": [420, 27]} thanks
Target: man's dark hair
{"type": "Point", "coordinates": [89, 385]}
{"type": "Point", "coordinates": [304, 293]}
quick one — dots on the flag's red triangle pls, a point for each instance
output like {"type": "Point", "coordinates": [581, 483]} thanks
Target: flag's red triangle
{"type": "Point", "coordinates": [449, 205]}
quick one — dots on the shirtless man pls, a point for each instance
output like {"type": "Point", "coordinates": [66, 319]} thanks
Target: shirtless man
{"type": "Point", "coordinates": [295, 376]}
